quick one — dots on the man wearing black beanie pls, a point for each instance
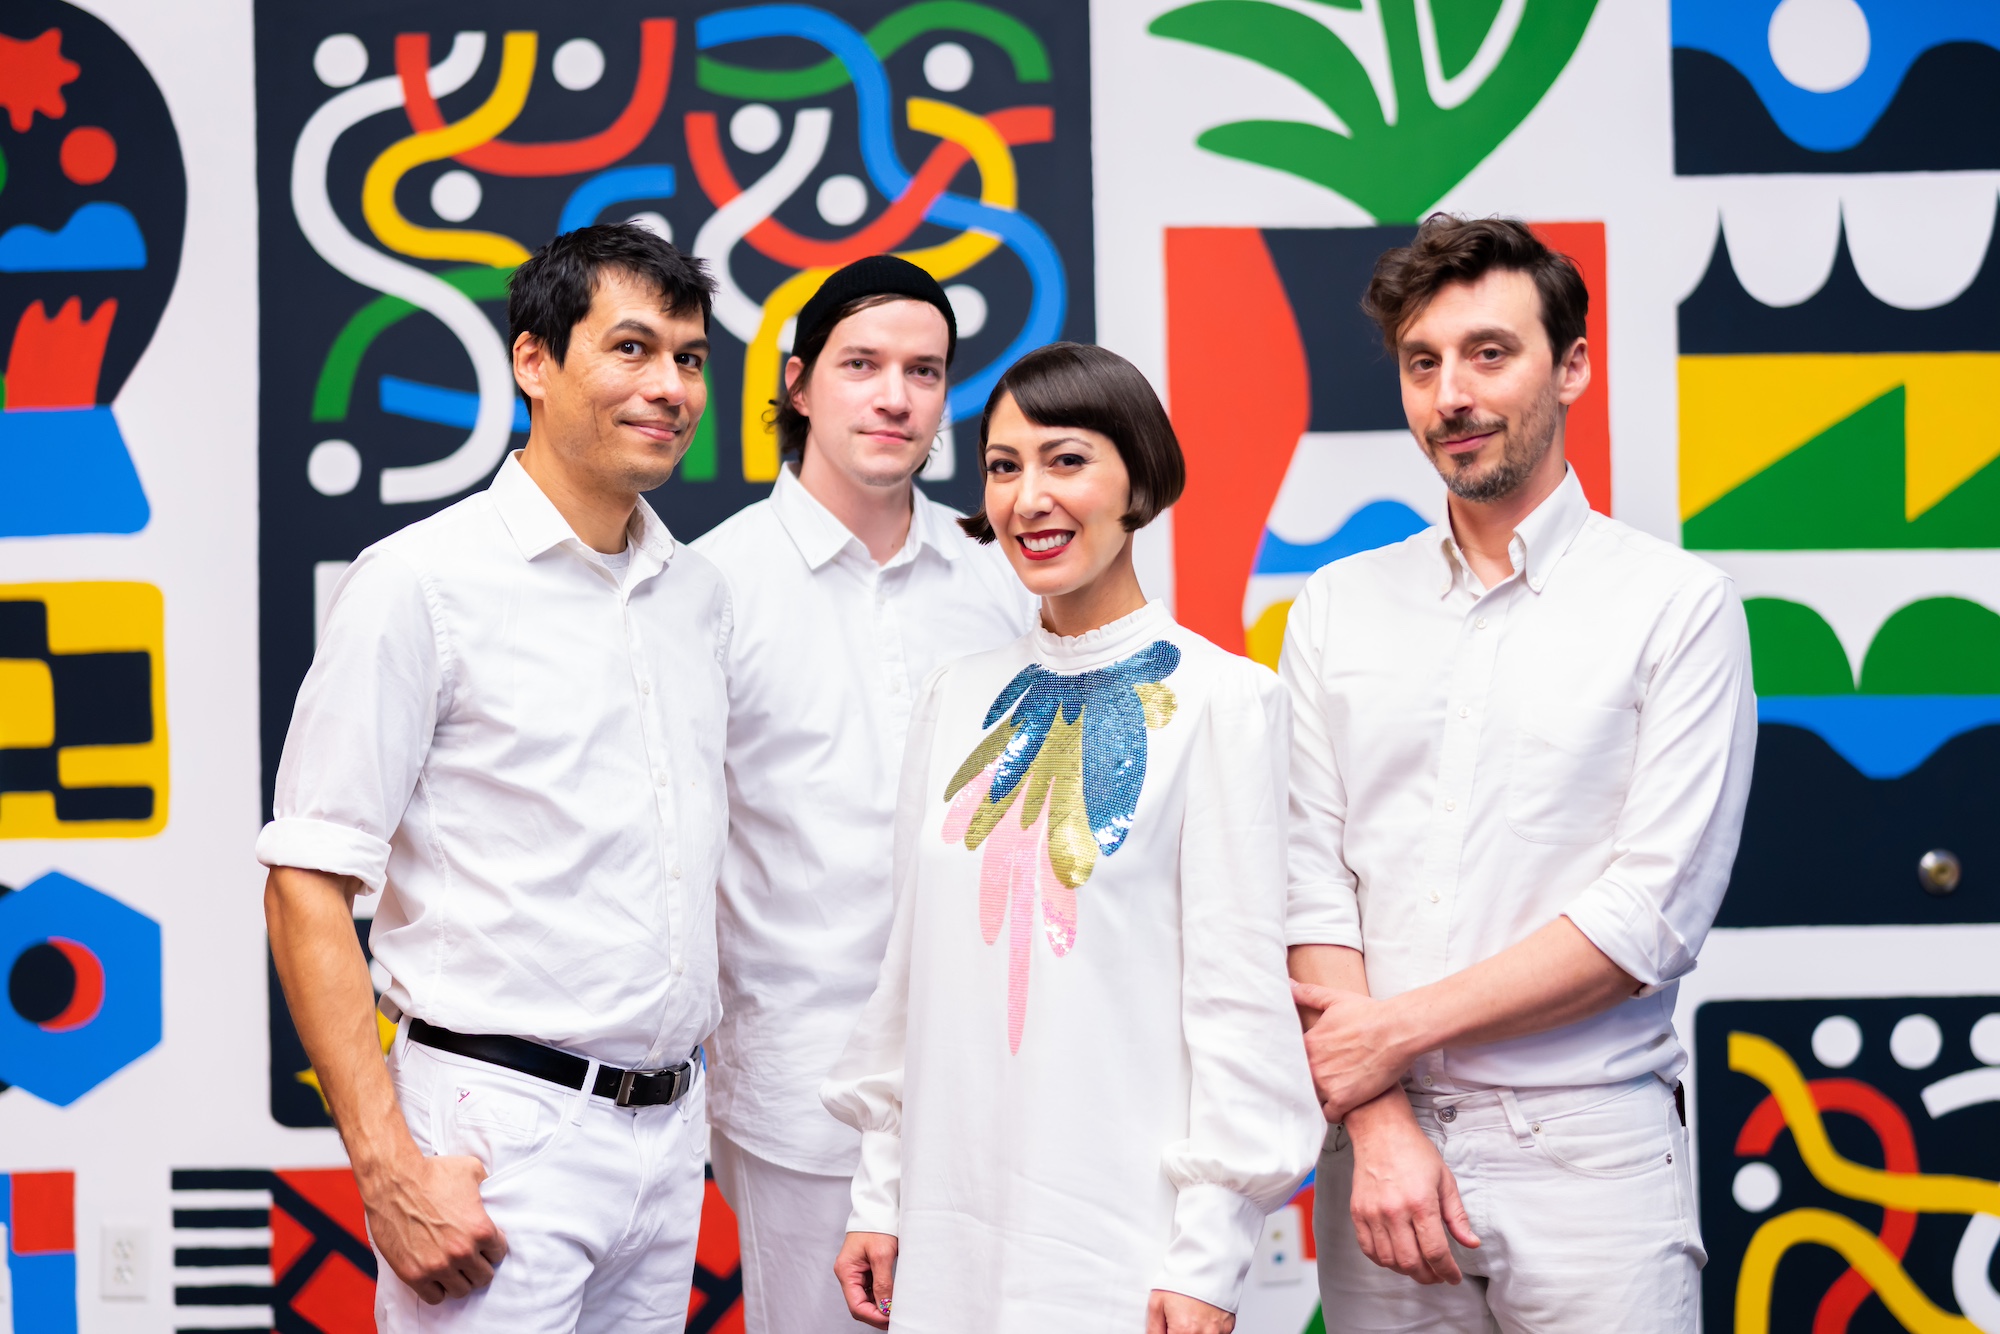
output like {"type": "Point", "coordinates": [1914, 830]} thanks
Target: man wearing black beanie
{"type": "Point", "coordinates": [848, 587]}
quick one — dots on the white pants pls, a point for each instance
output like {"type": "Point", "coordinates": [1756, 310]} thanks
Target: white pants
{"type": "Point", "coordinates": [1583, 1203]}
{"type": "Point", "coordinates": [791, 1225]}
{"type": "Point", "coordinates": [601, 1205]}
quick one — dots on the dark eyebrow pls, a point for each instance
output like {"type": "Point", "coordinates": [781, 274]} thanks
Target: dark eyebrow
{"type": "Point", "coordinates": [993, 445]}
{"type": "Point", "coordinates": [633, 326]}
{"type": "Point", "coordinates": [1049, 444]}
{"type": "Point", "coordinates": [1494, 334]}
{"type": "Point", "coordinates": [695, 345]}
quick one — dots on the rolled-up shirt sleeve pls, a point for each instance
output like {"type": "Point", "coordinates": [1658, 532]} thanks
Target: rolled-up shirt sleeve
{"type": "Point", "coordinates": [1321, 906]}
{"type": "Point", "coordinates": [1254, 1127]}
{"type": "Point", "coordinates": [1676, 836]}
{"type": "Point", "coordinates": [362, 726]}
{"type": "Point", "coordinates": [865, 1086]}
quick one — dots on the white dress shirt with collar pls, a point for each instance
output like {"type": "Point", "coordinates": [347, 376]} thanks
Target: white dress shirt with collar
{"type": "Point", "coordinates": [522, 748]}
{"type": "Point", "coordinates": [825, 658]}
{"type": "Point", "coordinates": [1471, 763]}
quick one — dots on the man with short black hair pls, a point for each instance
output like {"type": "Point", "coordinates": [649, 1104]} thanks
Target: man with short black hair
{"type": "Point", "coordinates": [848, 586]}
{"type": "Point", "coordinates": [1522, 746]}
{"type": "Point", "coordinates": [513, 730]}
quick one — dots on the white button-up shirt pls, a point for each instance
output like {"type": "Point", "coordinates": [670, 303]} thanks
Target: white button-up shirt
{"type": "Point", "coordinates": [522, 748]}
{"type": "Point", "coordinates": [825, 659]}
{"type": "Point", "coordinates": [1471, 763]}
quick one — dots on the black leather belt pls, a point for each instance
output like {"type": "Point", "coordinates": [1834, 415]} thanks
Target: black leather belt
{"type": "Point", "coordinates": [627, 1088]}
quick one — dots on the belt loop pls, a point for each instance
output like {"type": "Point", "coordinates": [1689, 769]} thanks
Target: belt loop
{"type": "Point", "coordinates": [1515, 1121]}
{"type": "Point", "coordinates": [400, 1041]}
{"type": "Point", "coordinates": [584, 1094]}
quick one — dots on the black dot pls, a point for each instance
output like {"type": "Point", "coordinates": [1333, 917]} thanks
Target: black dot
{"type": "Point", "coordinates": [42, 984]}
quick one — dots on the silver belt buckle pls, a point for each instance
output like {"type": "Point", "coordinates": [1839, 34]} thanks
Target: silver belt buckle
{"type": "Point", "coordinates": [625, 1082]}
{"type": "Point", "coordinates": [683, 1076]}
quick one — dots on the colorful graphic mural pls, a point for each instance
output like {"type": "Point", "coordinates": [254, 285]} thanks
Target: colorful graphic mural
{"type": "Point", "coordinates": [39, 1246]}
{"type": "Point", "coordinates": [1319, 463]}
{"type": "Point", "coordinates": [1835, 86]}
{"type": "Point", "coordinates": [83, 987]}
{"type": "Point", "coordinates": [288, 1250]}
{"type": "Point", "coordinates": [1848, 1156]}
{"type": "Point", "coordinates": [83, 708]}
{"type": "Point", "coordinates": [1459, 78]}
{"type": "Point", "coordinates": [774, 141]}
{"type": "Point", "coordinates": [92, 206]}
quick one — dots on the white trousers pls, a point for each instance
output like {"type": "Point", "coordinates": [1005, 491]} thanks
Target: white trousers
{"type": "Point", "coordinates": [1583, 1203]}
{"type": "Point", "coordinates": [791, 1225]}
{"type": "Point", "coordinates": [601, 1205]}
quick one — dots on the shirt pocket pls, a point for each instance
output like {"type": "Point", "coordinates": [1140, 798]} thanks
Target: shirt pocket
{"type": "Point", "coordinates": [1570, 771]}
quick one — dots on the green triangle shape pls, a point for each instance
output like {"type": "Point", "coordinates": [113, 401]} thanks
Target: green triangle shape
{"type": "Point", "coordinates": [1969, 516]}
{"type": "Point", "coordinates": [1842, 489]}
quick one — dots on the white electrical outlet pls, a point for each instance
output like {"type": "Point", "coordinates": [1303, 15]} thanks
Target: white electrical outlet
{"type": "Point", "coordinates": [122, 1264]}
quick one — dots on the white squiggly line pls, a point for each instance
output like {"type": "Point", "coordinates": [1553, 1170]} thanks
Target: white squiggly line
{"type": "Point", "coordinates": [734, 309]}
{"type": "Point", "coordinates": [494, 424]}
{"type": "Point", "coordinates": [1971, 1265]}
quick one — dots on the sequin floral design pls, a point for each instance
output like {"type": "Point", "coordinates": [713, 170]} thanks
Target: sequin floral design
{"type": "Point", "coordinates": [1067, 765]}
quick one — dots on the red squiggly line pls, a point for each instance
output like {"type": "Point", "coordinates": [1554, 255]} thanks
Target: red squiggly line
{"type": "Point", "coordinates": [1899, 1154]}
{"type": "Point", "coordinates": [614, 141]}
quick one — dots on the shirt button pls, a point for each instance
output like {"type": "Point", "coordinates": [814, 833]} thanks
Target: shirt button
{"type": "Point", "coordinates": [1447, 1114]}
{"type": "Point", "coordinates": [660, 777]}
{"type": "Point", "coordinates": [677, 873]}
{"type": "Point", "coordinates": [1428, 1081]}
{"type": "Point", "coordinates": [1480, 623]}
{"type": "Point", "coordinates": [1465, 713]}
{"type": "Point", "coordinates": [1434, 896]}
{"type": "Point", "coordinates": [1450, 805]}
{"type": "Point", "coordinates": [645, 687]}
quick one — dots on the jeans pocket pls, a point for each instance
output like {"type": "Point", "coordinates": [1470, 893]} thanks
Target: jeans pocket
{"type": "Point", "coordinates": [508, 1122]}
{"type": "Point", "coordinates": [1622, 1137]}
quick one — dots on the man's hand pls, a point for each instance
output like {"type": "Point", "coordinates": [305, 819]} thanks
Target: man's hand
{"type": "Point", "coordinates": [432, 1227]}
{"type": "Point", "coordinates": [1404, 1197]}
{"type": "Point", "coordinates": [1176, 1313]}
{"type": "Point", "coordinates": [866, 1269]}
{"type": "Point", "coordinates": [1351, 1048]}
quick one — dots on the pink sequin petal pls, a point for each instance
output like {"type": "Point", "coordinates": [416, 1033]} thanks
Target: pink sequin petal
{"type": "Point", "coordinates": [958, 818]}
{"type": "Point", "coordinates": [1058, 901]}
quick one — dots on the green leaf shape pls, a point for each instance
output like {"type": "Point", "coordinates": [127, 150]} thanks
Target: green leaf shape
{"type": "Point", "coordinates": [333, 392]}
{"type": "Point", "coordinates": [1938, 646]}
{"type": "Point", "coordinates": [698, 464]}
{"type": "Point", "coordinates": [1030, 58]}
{"type": "Point", "coordinates": [1397, 172]}
{"type": "Point", "coordinates": [1288, 43]}
{"type": "Point", "coordinates": [1793, 651]}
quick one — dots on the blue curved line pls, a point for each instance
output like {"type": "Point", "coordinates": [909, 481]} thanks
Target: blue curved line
{"type": "Point", "coordinates": [1883, 736]}
{"type": "Point", "coordinates": [871, 81]}
{"type": "Point", "coordinates": [1376, 524]}
{"type": "Point", "coordinates": [614, 186]}
{"type": "Point", "coordinates": [1046, 308]}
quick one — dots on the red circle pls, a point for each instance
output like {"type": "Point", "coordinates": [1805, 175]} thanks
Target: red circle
{"type": "Point", "coordinates": [88, 998]}
{"type": "Point", "coordinates": [88, 154]}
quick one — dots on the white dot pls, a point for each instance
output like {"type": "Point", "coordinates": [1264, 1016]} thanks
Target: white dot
{"type": "Point", "coordinates": [947, 67]}
{"type": "Point", "coordinates": [1819, 45]}
{"type": "Point", "coordinates": [968, 308]}
{"type": "Point", "coordinates": [1837, 1041]}
{"type": "Point", "coordinates": [1986, 1040]}
{"type": "Point", "coordinates": [755, 128]}
{"type": "Point", "coordinates": [578, 64]}
{"type": "Point", "coordinates": [340, 60]}
{"type": "Point", "coordinates": [1915, 1041]}
{"type": "Point", "coordinates": [842, 200]}
{"type": "Point", "coordinates": [656, 223]}
{"type": "Point", "coordinates": [455, 196]}
{"type": "Point", "coordinates": [333, 467]}
{"type": "Point", "coordinates": [788, 333]}
{"type": "Point", "coordinates": [1756, 1187]}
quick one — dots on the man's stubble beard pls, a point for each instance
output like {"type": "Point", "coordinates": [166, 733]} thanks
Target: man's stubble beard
{"type": "Point", "coordinates": [1521, 453]}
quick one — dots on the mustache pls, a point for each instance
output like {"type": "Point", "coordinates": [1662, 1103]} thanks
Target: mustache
{"type": "Point", "coordinates": [1463, 428]}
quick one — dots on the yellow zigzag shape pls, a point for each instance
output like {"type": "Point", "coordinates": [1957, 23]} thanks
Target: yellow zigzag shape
{"type": "Point", "coordinates": [1856, 1245]}
{"type": "Point", "coordinates": [998, 186]}
{"type": "Point", "coordinates": [378, 188]}
{"type": "Point", "coordinates": [1741, 414]}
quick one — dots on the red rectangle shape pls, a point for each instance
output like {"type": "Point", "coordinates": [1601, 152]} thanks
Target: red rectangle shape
{"type": "Point", "coordinates": [44, 1221]}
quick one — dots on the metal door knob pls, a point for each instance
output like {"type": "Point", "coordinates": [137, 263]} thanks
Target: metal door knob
{"type": "Point", "coordinates": [1938, 872]}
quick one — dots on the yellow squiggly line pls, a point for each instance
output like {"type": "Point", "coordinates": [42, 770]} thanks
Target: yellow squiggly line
{"type": "Point", "coordinates": [378, 188]}
{"type": "Point", "coordinates": [1766, 1062]}
{"type": "Point", "coordinates": [1855, 1244]}
{"type": "Point", "coordinates": [998, 186]}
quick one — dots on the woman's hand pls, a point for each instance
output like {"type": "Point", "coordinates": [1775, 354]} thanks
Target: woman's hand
{"type": "Point", "coordinates": [1176, 1313]}
{"type": "Point", "coordinates": [867, 1273]}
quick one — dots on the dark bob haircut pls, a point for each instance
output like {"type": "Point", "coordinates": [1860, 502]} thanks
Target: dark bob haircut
{"type": "Point", "coordinates": [551, 291]}
{"type": "Point", "coordinates": [1081, 385]}
{"type": "Point", "coordinates": [1451, 250]}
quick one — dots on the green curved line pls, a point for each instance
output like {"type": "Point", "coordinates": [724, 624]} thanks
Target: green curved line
{"type": "Point", "coordinates": [335, 388]}
{"type": "Point", "coordinates": [892, 34]}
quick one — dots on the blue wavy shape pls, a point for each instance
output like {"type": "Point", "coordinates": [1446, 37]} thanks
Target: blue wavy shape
{"type": "Point", "coordinates": [1376, 524]}
{"type": "Point", "coordinates": [614, 185]}
{"type": "Point", "coordinates": [1883, 736]}
{"type": "Point", "coordinates": [65, 471]}
{"type": "Point", "coordinates": [1899, 31]}
{"type": "Point", "coordinates": [434, 403]}
{"type": "Point", "coordinates": [99, 236]}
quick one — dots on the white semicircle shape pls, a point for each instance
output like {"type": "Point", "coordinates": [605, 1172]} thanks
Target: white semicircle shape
{"type": "Point", "coordinates": [1918, 241]}
{"type": "Point", "coordinates": [1783, 235]}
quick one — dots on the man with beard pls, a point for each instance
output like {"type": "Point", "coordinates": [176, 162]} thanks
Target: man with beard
{"type": "Point", "coordinates": [1522, 747]}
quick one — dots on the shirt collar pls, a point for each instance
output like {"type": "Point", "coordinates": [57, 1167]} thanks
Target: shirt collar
{"type": "Point", "coordinates": [537, 526]}
{"type": "Point", "coordinates": [820, 536]}
{"type": "Point", "coordinates": [1539, 540]}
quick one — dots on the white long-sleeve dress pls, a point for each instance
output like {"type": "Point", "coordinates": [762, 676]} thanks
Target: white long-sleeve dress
{"type": "Point", "coordinates": [1080, 1076]}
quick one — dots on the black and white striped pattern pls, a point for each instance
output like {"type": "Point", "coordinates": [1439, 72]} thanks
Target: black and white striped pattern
{"type": "Point", "coordinates": [222, 1250]}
